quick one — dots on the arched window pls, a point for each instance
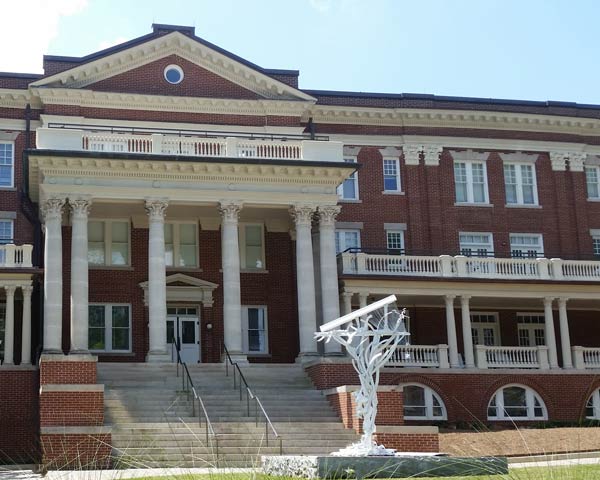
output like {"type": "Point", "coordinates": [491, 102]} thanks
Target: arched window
{"type": "Point", "coordinates": [422, 403]}
{"type": "Point", "coordinates": [592, 408]}
{"type": "Point", "coordinates": [516, 402]}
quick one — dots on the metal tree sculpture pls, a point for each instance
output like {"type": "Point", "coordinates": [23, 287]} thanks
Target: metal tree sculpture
{"type": "Point", "coordinates": [370, 335]}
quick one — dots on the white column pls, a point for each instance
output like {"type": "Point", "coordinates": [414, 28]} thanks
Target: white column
{"type": "Point", "coordinates": [451, 329]}
{"type": "Point", "coordinates": [362, 299]}
{"type": "Point", "coordinates": [52, 213]}
{"type": "Point", "coordinates": [328, 266]}
{"type": "Point", "coordinates": [157, 288]}
{"type": "Point", "coordinates": [230, 262]}
{"type": "Point", "coordinates": [565, 337]}
{"type": "Point", "coordinates": [79, 274]}
{"type": "Point", "coordinates": [466, 331]}
{"type": "Point", "coordinates": [549, 330]}
{"type": "Point", "coordinates": [26, 329]}
{"type": "Point", "coordinates": [347, 302]}
{"type": "Point", "coordinates": [305, 279]}
{"type": "Point", "coordinates": [9, 326]}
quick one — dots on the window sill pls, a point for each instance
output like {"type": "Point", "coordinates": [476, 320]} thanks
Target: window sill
{"type": "Point", "coordinates": [393, 192]}
{"type": "Point", "coordinates": [125, 268]}
{"type": "Point", "coordinates": [467, 204]}
{"type": "Point", "coordinates": [8, 189]}
{"type": "Point", "coordinates": [522, 205]}
{"type": "Point", "coordinates": [258, 355]}
{"type": "Point", "coordinates": [593, 199]}
{"type": "Point", "coordinates": [115, 354]}
{"type": "Point", "coordinates": [349, 200]}
{"type": "Point", "coordinates": [185, 269]}
{"type": "Point", "coordinates": [250, 270]}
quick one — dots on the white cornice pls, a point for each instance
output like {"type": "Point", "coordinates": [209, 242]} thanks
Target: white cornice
{"type": "Point", "coordinates": [17, 98]}
{"type": "Point", "coordinates": [174, 43]}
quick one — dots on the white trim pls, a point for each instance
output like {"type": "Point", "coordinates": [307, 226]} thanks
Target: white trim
{"type": "Point", "coordinates": [245, 309]}
{"type": "Point", "coordinates": [389, 231]}
{"type": "Point", "coordinates": [594, 399]}
{"type": "Point", "coordinates": [596, 170]}
{"type": "Point", "coordinates": [465, 245]}
{"type": "Point", "coordinates": [530, 394]}
{"type": "Point", "coordinates": [397, 176]}
{"type": "Point", "coordinates": [519, 186]}
{"type": "Point", "coordinates": [429, 395]}
{"type": "Point", "coordinates": [339, 238]}
{"type": "Point", "coordinates": [107, 233]}
{"type": "Point", "coordinates": [469, 185]}
{"type": "Point", "coordinates": [108, 320]}
{"type": "Point", "coordinates": [539, 236]}
{"type": "Point", "coordinates": [242, 240]}
{"type": "Point", "coordinates": [178, 69]}
{"type": "Point", "coordinates": [12, 165]}
{"type": "Point", "coordinates": [351, 178]}
{"type": "Point", "coordinates": [176, 232]}
{"type": "Point", "coordinates": [480, 326]}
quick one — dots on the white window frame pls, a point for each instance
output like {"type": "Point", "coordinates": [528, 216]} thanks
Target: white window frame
{"type": "Point", "coordinates": [352, 178]}
{"type": "Point", "coordinates": [395, 232]}
{"type": "Point", "coordinates": [480, 326]}
{"type": "Point", "coordinates": [530, 395]}
{"type": "Point", "coordinates": [469, 184]}
{"type": "Point", "coordinates": [593, 402]}
{"type": "Point", "coordinates": [533, 246]}
{"type": "Point", "coordinates": [242, 240]}
{"type": "Point", "coordinates": [397, 176]}
{"type": "Point", "coordinates": [245, 309]}
{"type": "Point", "coordinates": [108, 326]}
{"type": "Point", "coordinates": [519, 183]}
{"type": "Point", "coordinates": [596, 169]}
{"type": "Point", "coordinates": [12, 165]}
{"type": "Point", "coordinates": [530, 327]}
{"type": "Point", "coordinates": [177, 243]}
{"type": "Point", "coordinates": [490, 244]}
{"type": "Point", "coordinates": [429, 395]}
{"type": "Point", "coordinates": [108, 242]}
{"type": "Point", "coordinates": [338, 237]}
{"type": "Point", "coordinates": [596, 245]}
{"type": "Point", "coordinates": [12, 231]}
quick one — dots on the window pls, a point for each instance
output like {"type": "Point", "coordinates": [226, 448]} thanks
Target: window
{"type": "Point", "coordinates": [596, 245]}
{"type": "Point", "coordinates": [109, 328]}
{"type": "Point", "coordinates": [470, 179]}
{"type": "Point", "coordinates": [349, 189]}
{"type": "Point", "coordinates": [255, 329]}
{"type": "Point", "coordinates": [592, 177]}
{"type": "Point", "coordinates": [347, 239]}
{"type": "Point", "coordinates": [592, 407]}
{"type": "Point", "coordinates": [516, 402]}
{"type": "Point", "coordinates": [252, 247]}
{"type": "Point", "coordinates": [395, 242]}
{"type": "Point", "coordinates": [6, 164]}
{"type": "Point", "coordinates": [526, 245]}
{"type": "Point", "coordinates": [6, 232]}
{"type": "Point", "coordinates": [422, 403]}
{"type": "Point", "coordinates": [476, 244]}
{"type": "Point", "coordinates": [531, 328]}
{"type": "Point", "coordinates": [484, 329]}
{"type": "Point", "coordinates": [108, 242]}
{"type": "Point", "coordinates": [391, 175]}
{"type": "Point", "coordinates": [181, 245]}
{"type": "Point", "coordinates": [173, 74]}
{"type": "Point", "coordinates": [520, 184]}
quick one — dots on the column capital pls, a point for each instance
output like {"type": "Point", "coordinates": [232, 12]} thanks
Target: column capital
{"type": "Point", "coordinates": [548, 301]}
{"type": "Point", "coordinates": [347, 294]}
{"type": "Point", "coordinates": [449, 298]}
{"type": "Point", "coordinates": [80, 207]}
{"type": "Point", "coordinates": [10, 290]}
{"type": "Point", "coordinates": [327, 214]}
{"type": "Point", "coordinates": [465, 298]}
{"type": "Point", "coordinates": [576, 161]}
{"type": "Point", "coordinates": [27, 290]}
{"type": "Point", "coordinates": [230, 211]}
{"type": "Point", "coordinates": [156, 208]}
{"type": "Point", "coordinates": [412, 153]}
{"type": "Point", "coordinates": [432, 154]}
{"type": "Point", "coordinates": [302, 214]}
{"type": "Point", "coordinates": [563, 300]}
{"type": "Point", "coordinates": [51, 208]}
{"type": "Point", "coordinates": [558, 160]}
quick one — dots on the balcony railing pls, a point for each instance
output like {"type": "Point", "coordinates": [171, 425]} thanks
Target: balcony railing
{"type": "Point", "coordinates": [189, 143]}
{"type": "Point", "coordinates": [586, 357]}
{"type": "Point", "coordinates": [460, 266]}
{"type": "Point", "coordinates": [420, 356]}
{"type": "Point", "coordinates": [15, 256]}
{"type": "Point", "coordinates": [512, 357]}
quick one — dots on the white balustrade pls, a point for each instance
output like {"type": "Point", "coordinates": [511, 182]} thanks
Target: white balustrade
{"type": "Point", "coordinates": [268, 149]}
{"type": "Point", "coordinates": [512, 357]}
{"type": "Point", "coordinates": [583, 270]}
{"type": "Point", "coordinates": [420, 356]}
{"type": "Point", "coordinates": [421, 266]}
{"type": "Point", "coordinates": [15, 256]}
{"type": "Point", "coordinates": [117, 142]}
{"type": "Point", "coordinates": [586, 357]}
{"type": "Point", "coordinates": [193, 146]}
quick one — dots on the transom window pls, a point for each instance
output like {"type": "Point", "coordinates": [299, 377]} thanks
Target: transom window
{"type": "Point", "coordinates": [109, 328]}
{"type": "Point", "coordinates": [592, 407]}
{"type": "Point", "coordinates": [181, 244]}
{"type": "Point", "coordinates": [254, 324]}
{"type": "Point", "coordinates": [422, 403]}
{"type": "Point", "coordinates": [527, 245]}
{"type": "Point", "coordinates": [531, 329]}
{"type": "Point", "coordinates": [516, 402]}
{"type": "Point", "coordinates": [252, 251]}
{"type": "Point", "coordinates": [7, 163]}
{"type": "Point", "coordinates": [6, 232]}
{"type": "Point", "coordinates": [346, 239]}
{"type": "Point", "coordinates": [592, 177]}
{"type": "Point", "coordinates": [474, 244]}
{"type": "Point", "coordinates": [348, 190]}
{"type": "Point", "coordinates": [391, 175]}
{"type": "Point", "coordinates": [520, 184]}
{"type": "Point", "coordinates": [470, 179]}
{"type": "Point", "coordinates": [484, 329]}
{"type": "Point", "coordinates": [395, 242]}
{"type": "Point", "coordinates": [108, 242]}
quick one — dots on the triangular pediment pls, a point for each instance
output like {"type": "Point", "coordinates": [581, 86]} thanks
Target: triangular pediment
{"type": "Point", "coordinates": [208, 68]}
{"type": "Point", "coordinates": [182, 280]}
{"type": "Point", "coordinates": [184, 288]}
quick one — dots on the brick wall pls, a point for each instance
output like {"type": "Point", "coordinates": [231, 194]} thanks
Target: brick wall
{"type": "Point", "coordinates": [67, 372]}
{"type": "Point", "coordinates": [409, 442]}
{"type": "Point", "coordinates": [76, 451]}
{"type": "Point", "coordinates": [71, 408]}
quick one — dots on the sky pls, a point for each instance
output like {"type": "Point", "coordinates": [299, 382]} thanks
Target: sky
{"type": "Point", "coordinates": [517, 49]}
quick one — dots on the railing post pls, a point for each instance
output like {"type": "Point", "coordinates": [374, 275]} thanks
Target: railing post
{"type": "Point", "coordinates": [578, 359]}
{"type": "Point", "coordinates": [557, 270]}
{"type": "Point", "coordinates": [231, 147]}
{"type": "Point", "coordinates": [443, 355]}
{"type": "Point", "coordinates": [27, 251]}
{"type": "Point", "coordinates": [157, 141]}
{"type": "Point", "coordinates": [543, 361]}
{"type": "Point", "coordinates": [361, 263]}
{"type": "Point", "coordinates": [11, 250]}
{"type": "Point", "coordinates": [446, 265]}
{"type": "Point", "coordinates": [481, 355]}
{"type": "Point", "coordinates": [543, 268]}
{"type": "Point", "coordinates": [461, 265]}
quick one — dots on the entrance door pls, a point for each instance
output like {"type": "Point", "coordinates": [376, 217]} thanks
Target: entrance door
{"type": "Point", "coordinates": [183, 325]}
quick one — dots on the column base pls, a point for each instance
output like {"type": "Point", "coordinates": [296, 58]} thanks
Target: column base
{"type": "Point", "coordinates": [158, 357]}
{"type": "Point", "coordinates": [79, 352]}
{"type": "Point", "coordinates": [236, 357]}
{"type": "Point", "coordinates": [304, 357]}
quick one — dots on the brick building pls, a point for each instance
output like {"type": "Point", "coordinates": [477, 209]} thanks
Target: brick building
{"type": "Point", "coordinates": [165, 188]}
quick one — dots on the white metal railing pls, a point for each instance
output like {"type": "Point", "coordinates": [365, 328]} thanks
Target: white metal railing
{"type": "Point", "coordinates": [586, 357]}
{"type": "Point", "coordinates": [512, 357]}
{"type": "Point", "coordinates": [420, 356]}
{"type": "Point", "coordinates": [469, 267]}
{"type": "Point", "coordinates": [15, 256]}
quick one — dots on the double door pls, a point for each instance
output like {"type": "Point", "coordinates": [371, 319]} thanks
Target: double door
{"type": "Point", "coordinates": [183, 326]}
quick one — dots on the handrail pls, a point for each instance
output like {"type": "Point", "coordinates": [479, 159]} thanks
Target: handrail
{"type": "Point", "coordinates": [250, 395]}
{"type": "Point", "coordinates": [187, 382]}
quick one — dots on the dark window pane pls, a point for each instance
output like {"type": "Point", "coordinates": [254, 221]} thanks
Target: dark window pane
{"type": "Point", "coordinates": [96, 316]}
{"type": "Point", "coordinates": [120, 339]}
{"type": "Point", "coordinates": [170, 331]}
{"type": "Point", "coordinates": [414, 411]}
{"type": "Point", "coordinates": [414, 396]}
{"type": "Point", "coordinates": [120, 316]}
{"type": "Point", "coordinates": [96, 339]}
{"type": "Point", "coordinates": [254, 341]}
{"type": "Point", "coordinates": [188, 332]}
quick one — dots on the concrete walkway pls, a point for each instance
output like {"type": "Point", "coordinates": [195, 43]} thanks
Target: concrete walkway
{"type": "Point", "coordinates": [25, 474]}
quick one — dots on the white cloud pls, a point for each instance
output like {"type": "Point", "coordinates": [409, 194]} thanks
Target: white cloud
{"type": "Point", "coordinates": [28, 29]}
{"type": "Point", "coordinates": [111, 43]}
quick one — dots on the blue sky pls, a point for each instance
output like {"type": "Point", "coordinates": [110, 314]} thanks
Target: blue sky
{"type": "Point", "coordinates": [527, 49]}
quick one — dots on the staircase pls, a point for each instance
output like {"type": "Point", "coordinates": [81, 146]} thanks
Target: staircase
{"type": "Point", "coordinates": [153, 424]}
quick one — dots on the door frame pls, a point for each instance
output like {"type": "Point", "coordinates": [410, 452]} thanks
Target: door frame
{"type": "Point", "coordinates": [188, 316]}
